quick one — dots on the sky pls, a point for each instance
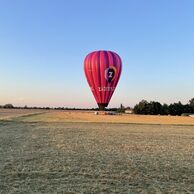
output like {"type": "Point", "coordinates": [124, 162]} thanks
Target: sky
{"type": "Point", "coordinates": [43, 45]}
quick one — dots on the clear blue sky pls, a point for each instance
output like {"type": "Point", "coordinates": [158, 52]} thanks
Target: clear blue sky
{"type": "Point", "coordinates": [43, 44]}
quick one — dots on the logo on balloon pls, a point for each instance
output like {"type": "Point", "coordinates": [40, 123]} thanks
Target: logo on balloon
{"type": "Point", "coordinates": [110, 73]}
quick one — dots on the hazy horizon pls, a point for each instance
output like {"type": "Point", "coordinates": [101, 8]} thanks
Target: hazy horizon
{"type": "Point", "coordinates": [43, 45]}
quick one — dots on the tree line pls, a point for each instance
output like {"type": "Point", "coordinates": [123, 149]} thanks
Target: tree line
{"type": "Point", "coordinates": [143, 107]}
{"type": "Point", "coordinates": [156, 108]}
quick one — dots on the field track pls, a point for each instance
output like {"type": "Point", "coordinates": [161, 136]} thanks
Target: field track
{"type": "Point", "coordinates": [9, 114]}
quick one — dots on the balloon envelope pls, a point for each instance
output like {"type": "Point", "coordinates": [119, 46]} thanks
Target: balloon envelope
{"type": "Point", "coordinates": [102, 70]}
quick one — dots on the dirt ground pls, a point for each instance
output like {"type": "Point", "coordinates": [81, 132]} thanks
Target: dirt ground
{"type": "Point", "coordinates": [40, 153]}
{"type": "Point", "coordinates": [8, 114]}
{"type": "Point", "coordinates": [89, 116]}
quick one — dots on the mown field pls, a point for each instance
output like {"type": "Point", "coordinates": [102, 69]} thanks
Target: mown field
{"type": "Point", "coordinates": [49, 152]}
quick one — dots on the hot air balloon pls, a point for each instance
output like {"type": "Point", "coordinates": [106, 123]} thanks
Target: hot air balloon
{"type": "Point", "coordinates": [102, 70]}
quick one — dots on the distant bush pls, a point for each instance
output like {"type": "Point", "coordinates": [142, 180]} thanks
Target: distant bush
{"type": "Point", "coordinates": [8, 106]}
{"type": "Point", "coordinates": [121, 109]}
{"type": "Point", "coordinates": [185, 114]}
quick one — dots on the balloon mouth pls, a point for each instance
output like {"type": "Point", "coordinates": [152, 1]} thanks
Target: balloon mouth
{"type": "Point", "coordinates": [102, 106]}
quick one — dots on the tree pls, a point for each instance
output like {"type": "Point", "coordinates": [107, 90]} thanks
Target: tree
{"type": "Point", "coordinates": [151, 108]}
{"type": "Point", "coordinates": [176, 108]}
{"type": "Point", "coordinates": [191, 104]}
{"type": "Point", "coordinates": [188, 109]}
{"type": "Point", "coordinates": [165, 109]}
{"type": "Point", "coordinates": [121, 109]}
{"type": "Point", "coordinates": [154, 108]}
{"type": "Point", "coordinates": [8, 106]}
{"type": "Point", "coordinates": [141, 108]}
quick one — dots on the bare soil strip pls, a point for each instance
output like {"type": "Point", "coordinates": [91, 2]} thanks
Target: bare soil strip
{"type": "Point", "coordinates": [84, 116]}
{"type": "Point", "coordinates": [9, 114]}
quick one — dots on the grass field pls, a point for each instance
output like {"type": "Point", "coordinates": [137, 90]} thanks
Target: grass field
{"type": "Point", "coordinates": [74, 152]}
{"type": "Point", "coordinates": [88, 116]}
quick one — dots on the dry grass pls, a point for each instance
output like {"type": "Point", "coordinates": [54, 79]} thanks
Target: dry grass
{"type": "Point", "coordinates": [83, 116]}
{"type": "Point", "coordinates": [9, 114]}
{"type": "Point", "coordinates": [87, 157]}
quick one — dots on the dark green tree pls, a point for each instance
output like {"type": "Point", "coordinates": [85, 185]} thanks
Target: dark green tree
{"type": "Point", "coordinates": [8, 106]}
{"type": "Point", "coordinates": [188, 109]}
{"type": "Point", "coordinates": [154, 108]}
{"type": "Point", "coordinates": [191, 104]}
{"type": "Point", "coordinates": [141, 108]}
{"type": "Point", "coordinates": [176, 108]}
{"type": "Point", "coordinates": [165, 109]}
